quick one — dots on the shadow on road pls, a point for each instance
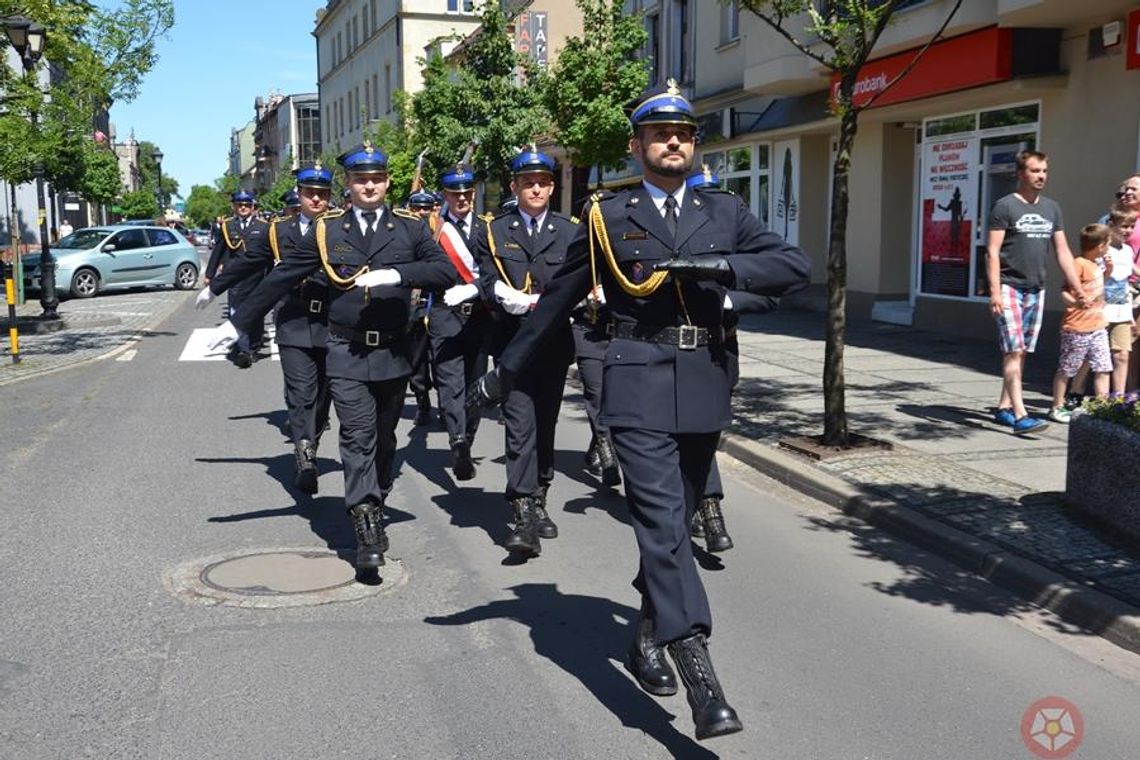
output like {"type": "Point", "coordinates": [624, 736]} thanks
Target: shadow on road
{"type": "Point", "coordinates": [582, 635]}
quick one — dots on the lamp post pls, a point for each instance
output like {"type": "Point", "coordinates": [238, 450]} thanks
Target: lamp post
{"type": "Point", "coordinates": [28, 38]}
{"type": "Point", "coordinates": [157, 156]}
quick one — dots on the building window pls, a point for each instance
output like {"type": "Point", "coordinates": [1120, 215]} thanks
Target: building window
{"type": "Point", "coordinates": [681, 55]}
{"type": "Point", "coordinates": [967, 164]}
{"type": "Point", "coordinates": [746, 171]}
{"type": "Point", "coordinates": [364, 23]}
{"type": "Point", "coordinates": [367, 103]}
{"type": "Point", "coordinates": [372, 15]}
{"type": "Point", "coordinates": [653, 46]}
{"type": "Point", "coordinates": [730, 22]}
{"type": "Point", "coordinates": [376, 92]}
{"type": "Point", "coordinates": [355, 33]}
{"type": "Point", "coordinates": [387, 88]}
{"type": "Point", "coordinates": [356, 118]}
{"type": "Point", "coordinates": [460, 6]}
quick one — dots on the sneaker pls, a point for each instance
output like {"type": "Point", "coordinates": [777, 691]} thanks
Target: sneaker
{"type": "Point", "coordinates": [1029, 424]}
{"type": "Point", "coordinates": [1074, 400]}
{"type": "Point", "coordinates": [1060, 414]}
{"type": "Point", "coordinates": [1005, 417]}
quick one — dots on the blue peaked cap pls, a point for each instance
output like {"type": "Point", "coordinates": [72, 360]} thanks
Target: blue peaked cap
{"type": "Point", "coordinates": [663, 107]}
{"type": "Point", "coordinates": [421, 199]}
{"type": "Point", "coordinates": [532, 161]}
{"type": "Point", "coordinates": [458, 178]}
{"type": "Point", "coordinates": [313, 176]}
{"type": "Point", "coordinates": [241, 196]}
{"type": "Point", "coordinates": [364, 158]}
{"type": "Point", "coordinates": [706, 177]}
{"type": "Point", "coordinates": [290, 198]}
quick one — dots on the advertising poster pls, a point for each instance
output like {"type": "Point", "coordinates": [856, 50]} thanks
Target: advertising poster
{"type": "Point", "coordinates": [786, 183]}
{"type": "Point", "coordinates": [949, 211]}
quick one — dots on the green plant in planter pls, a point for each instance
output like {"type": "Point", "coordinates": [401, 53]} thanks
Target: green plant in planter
{"type": "Point", "coordinates": [1122, 410]}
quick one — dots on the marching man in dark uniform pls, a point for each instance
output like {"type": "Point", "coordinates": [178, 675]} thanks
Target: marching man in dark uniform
{"type": "Point", "coordinates": [421, 203]}
{"type": "Point", "coordinates": [301, 318]}
{"type": "Point", "coordinates": [237, 234]}
{"type": "Point", "coordinates": [519, 254]}
{"type": "Point", "coordinates": [373, 257]}
{"type": "Point", "coordinates": [665, 256]}
{"type": "Point", "coordinates": [458, 323]}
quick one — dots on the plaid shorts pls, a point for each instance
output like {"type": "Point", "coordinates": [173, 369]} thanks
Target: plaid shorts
{"type": "Point", "coordinates": [1020, 319]}
{"type": "Point", "coordinates": [1077, 347]}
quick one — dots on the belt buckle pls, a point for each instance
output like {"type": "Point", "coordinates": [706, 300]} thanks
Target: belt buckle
{"type": "Point", "coordinates": [687, 337]}
{"type": "Point", "coordinates": [465, 309]}
{"type": "Point", "coordinates": [315, 306]}
{"type": "Point", "coordinates": [372, 338]}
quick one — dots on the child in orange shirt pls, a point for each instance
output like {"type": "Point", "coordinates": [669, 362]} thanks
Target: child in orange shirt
{"type": "Point", "coordinates": [1083, 334]}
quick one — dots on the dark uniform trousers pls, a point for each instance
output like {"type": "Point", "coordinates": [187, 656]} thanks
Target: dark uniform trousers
{"type": "Point", "coordinates": [665, 400]}
{"type": "Point", "coordinates": [590, 343]}
{"type": "Point", "coordinates": [369, 352]}
{"type": "Point", "coordinates": [244, 246]}
{"type": "Point", "coordinates": [530, 410]}
{"type": "Point", "coordinates": [420, 381]}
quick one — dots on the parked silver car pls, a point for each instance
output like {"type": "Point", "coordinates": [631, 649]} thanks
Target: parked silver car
{"type": "Point", "coordinates": [94, 259]}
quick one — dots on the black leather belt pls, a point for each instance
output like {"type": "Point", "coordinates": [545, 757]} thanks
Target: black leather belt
{"type": "Point", "coordinates": [686, 337]}
{"type": "Point", "coordinates": [463, 309]}
{"type": "Point", "coordinates": [370, 338]}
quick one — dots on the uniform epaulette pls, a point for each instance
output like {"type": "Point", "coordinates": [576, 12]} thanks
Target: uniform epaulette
{"type": "Point", "coordinates": [333, 213]}
{"type": "Point", "coordinates": [405, 213]}
{"type": "Point", "coordinates": [488, 217]}
{"type": "Point", "coordinates": [227, 219]}
{"type": "Point", "coordinates": [277, 219]}
{"type": "Point", "coordinates": [567, 217]}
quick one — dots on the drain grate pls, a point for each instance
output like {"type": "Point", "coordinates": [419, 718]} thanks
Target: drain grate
{"type": "Point", "coordinates": [275, 578]}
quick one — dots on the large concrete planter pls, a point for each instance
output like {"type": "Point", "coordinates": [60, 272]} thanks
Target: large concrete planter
{"type": "Point", "coordinates": [1103, 474]}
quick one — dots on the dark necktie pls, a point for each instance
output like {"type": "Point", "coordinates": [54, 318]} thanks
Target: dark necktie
{"type": "Point", "coordinates": [243, 223]}
{"type": "Point", "coordinates": [671, 215]}
{"type": "Point", "coordinates": [370, 221]}
{"type": "Point", "coordinates": [460, 224]}
{"type": "Point", "coordinates": [534, 229]}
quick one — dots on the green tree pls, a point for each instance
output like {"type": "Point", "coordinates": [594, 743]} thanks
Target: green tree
{"type": "Point", "coordinates": [139, 204]}
{"type": "Point", "coordinates": [100, 181]}
{"type": "Point", "coordinates": [840, 37]}
{"type": "Point", "coordinates": [491, 97]}
{"type": "Point", "coordinates": [396, 144]}
{"type": "Point", "coordinates": [97, 54]}
{"type": "Point", "coordinates": [594, 78]}
{"type": "Point", "coordinates": [270, 200]}
{"type": "Point", "coordinates": [149, 170]}
{"type": "Point", "coordinates": [205, 204]}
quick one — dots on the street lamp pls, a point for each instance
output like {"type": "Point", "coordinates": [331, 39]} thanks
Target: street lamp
{"type": "Point", "coordinates": [157, 156]}
{"type": "Point", "coordinates": [28, 38]}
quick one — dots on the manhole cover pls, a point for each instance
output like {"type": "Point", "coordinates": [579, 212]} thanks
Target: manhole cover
{"type": "Point", "coordinates": [274, 578]}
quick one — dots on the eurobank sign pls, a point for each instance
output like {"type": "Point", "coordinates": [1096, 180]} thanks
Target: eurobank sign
{"type": "Point", "coordinates": [987, 56]}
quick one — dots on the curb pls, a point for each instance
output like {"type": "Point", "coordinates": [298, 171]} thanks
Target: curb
{"type": "Point", "coordinates": [1074, 603]}
{"type": "Point", "coordinates": [154, 322]}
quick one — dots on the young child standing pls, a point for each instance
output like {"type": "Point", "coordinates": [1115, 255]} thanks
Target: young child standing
{"type": "Point", "coordinates": [1083, 334]}
{"type": "Point", "coordinates": [1117, 297]}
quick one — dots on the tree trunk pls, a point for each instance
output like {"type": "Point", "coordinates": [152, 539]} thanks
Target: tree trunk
{"type": "Point", "coordinates": [834, 385]}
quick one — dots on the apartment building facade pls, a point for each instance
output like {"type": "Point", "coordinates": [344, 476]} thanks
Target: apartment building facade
{"type": "Point", "coordinates": [933, 152]}
{"type": "Point", "coordinates": [287, 134]}
{"type": "Point", "coordinates": [367, 50]}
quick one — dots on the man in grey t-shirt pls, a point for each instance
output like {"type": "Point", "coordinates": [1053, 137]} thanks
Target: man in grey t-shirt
{"type": "Point", "coordinates": [1022, 226]}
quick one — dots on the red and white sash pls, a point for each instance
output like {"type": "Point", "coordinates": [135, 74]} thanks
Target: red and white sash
{"type": "Point", "coordinates": [451, 241]}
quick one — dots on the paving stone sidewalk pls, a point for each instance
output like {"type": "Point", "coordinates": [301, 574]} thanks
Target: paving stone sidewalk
{"type": "Point", "coordinates": [932, 397]}
{"type": "Point", "coordinates": [91, 329]}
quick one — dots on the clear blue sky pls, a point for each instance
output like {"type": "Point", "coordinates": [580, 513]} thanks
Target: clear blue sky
{"type": "Point", "coordinates": [219, 56]}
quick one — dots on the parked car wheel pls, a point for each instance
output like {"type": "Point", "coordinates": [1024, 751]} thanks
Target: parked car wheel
{"type": "Point", "coordinates": [85, 283]}
{"type": "Point", "coordinates": [186, 276]}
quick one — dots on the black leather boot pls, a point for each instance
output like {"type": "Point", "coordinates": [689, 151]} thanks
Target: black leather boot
{"type": "Point", "coordinates": [593, 464]}
{"type": "Point", "coordinates": [371, 540]}
{"type": "Point", "coordinates": [524, 536]}
{"type": "Point", "coordinates": [544, 526]}
{"type": "Point", "coordinates": [697, 525]}
{"type": "Point", "coordinates": [716, 534]}
{"type": "Point", "coordinates": [607, 458]}
{"type": "Point", "coordinates": [712, 715]}
{"type": "Point", "coordinates": [423, 409]}
{"type": "Point", "coordinates": [306, 476]}
{"type": "Point", "coordinates": [461, 463]}
{"type": "Point", "coordinates": [647, 661]}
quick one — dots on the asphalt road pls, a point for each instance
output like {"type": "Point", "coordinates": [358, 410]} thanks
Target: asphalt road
{"type": "Point", "coordinates": [833, 639]}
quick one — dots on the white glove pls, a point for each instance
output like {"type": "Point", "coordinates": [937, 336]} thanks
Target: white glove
{"type": "Point", "coordinates": [727, 303]}
{"type": "Point", "coordinates": [222, 336]}
{"type": "Point", "coordinates": [513, 301]}
{"type": "Point", "coordinates": [204, 298]}
{"type": "Point", "coordinates": [597, 295]}
{"type": "Point", "coordinates": [375, 277]}
{"type": "Point", "coordinates": [457, 294]}
{"type": "Point", "coordinates": [533, 300]}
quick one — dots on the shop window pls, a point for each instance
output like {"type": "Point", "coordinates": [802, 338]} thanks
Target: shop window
{"type": "Point", "coordinates": [967, 164]}
{"type": "Point", "coordinates": [745, 171]}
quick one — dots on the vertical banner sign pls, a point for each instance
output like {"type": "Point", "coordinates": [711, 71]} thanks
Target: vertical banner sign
{"type": "Point", "coordinates": [786, 183]}
{"type": "Point", "coordinates": [532, 37]}
{"type": "Point", "coordinates": [1132, 54]}
{"type": "Point", "coordinates": [949, 208]}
